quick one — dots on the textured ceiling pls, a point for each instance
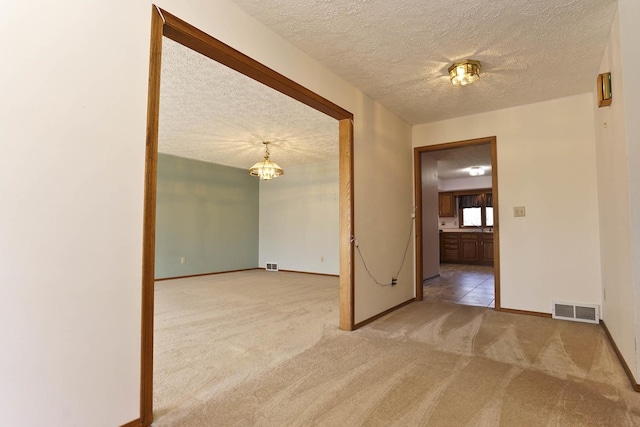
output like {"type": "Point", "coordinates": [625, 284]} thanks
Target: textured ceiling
{"type": "Point", "coordinates": [455, 162]}
{"type": "Point", "coordinates": [214, 114]}
{"type": "Point", "coordinates": [398, 51]}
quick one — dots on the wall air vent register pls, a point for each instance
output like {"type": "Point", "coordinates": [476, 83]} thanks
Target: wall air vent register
{"type": "Point", "coordinates": [272, 266]}
{"type": "Point", "coordinates": [589, 313]}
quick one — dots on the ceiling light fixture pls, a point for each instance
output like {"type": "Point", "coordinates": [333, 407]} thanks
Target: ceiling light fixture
{"type": "Point", "coordinates": [465, 72]}
{"type": "Point", "coordinates": [266, 169]}
{"type": "Point", "coordinates": [476, 170]}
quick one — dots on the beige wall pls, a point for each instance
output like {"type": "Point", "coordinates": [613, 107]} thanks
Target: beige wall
{"type": "Point", "coordinates": [384, 208]}
{"type": "Point", "coordinates": [616, 149]}
{"type": "Point", "coordinates": [546, 162]}
{"type": "Point", "coordinates": [629, 11]}
{"type": "Point", "coordinates": [74, 87]}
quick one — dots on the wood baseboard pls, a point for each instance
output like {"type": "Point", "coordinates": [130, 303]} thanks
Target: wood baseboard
{"type": "Point", "coordinates": [134, 423]}
{"type": "Point", "coordinates": [530, 313]}
{"type": "Point", "coordinates": [205, 274]}
{"type": "Point", "coordinates": [384, 313]}
{"type": "Point", "coordinates": [307, 272]}
{"type": "Point", "coordinates": [623, 362]}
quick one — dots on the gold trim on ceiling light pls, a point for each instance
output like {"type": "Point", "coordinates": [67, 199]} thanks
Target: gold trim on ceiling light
{"type": "Point", "coordinates": [464, 72]}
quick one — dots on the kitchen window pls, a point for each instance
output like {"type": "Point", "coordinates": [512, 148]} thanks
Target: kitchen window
{"type": "Point", "coordinates": [476, 210]}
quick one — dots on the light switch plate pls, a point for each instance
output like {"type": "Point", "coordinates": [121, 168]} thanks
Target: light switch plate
{"type": "Point", "coordinates": [518, 211]}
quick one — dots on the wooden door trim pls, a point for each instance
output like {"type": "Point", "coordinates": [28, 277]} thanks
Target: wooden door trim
{"type": "Point", "coordinates": [417, 171]}
{"type": "Point", "coordinates": [346, 247]}
{"type": "Point", "coordinates": [168, 25]}
{"type": "Point", "coordinates": [149, 221]}
{"type": "Point", "coordinates": [417, 186]}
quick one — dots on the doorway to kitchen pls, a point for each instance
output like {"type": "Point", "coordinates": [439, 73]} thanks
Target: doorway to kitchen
{"type": "Point", "coordinates": [457, 227]}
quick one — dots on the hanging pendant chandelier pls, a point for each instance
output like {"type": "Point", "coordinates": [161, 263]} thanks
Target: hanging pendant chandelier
{"type": "Point", "coordinates": [266, 169]}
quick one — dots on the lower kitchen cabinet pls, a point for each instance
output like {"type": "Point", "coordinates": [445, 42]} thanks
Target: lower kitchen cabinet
{"type": "Point", "coordinates": [466, 248]}
{"type": "Point", "coordinates": [486, 248]}
{"type": "Point", "coordinates": [449, 247]}
{"type": "Point", "coordinates": [469, 243]}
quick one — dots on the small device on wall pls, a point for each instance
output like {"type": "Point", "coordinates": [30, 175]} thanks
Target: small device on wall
{"type": "Point", "coordinates": [604, 89]}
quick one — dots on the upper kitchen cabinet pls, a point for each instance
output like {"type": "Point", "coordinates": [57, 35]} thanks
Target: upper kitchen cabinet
{"type": "Point", "coordinates": [446, 204]}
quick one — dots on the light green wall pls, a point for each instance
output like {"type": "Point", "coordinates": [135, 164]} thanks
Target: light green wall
{"type": "Point", "coordinates": [206, 213]}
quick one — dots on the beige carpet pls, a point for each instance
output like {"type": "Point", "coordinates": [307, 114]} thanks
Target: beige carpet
{"type": "Point", "coordinates": [263, 349]}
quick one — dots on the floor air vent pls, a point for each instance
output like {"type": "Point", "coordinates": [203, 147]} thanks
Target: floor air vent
{"type": "Point", "coordinates": [272, 266]}
{"type": "Point", "coordinates": [578, 313]}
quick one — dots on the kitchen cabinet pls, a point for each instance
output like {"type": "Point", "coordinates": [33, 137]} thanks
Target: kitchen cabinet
{"type": "Point", "coordinates": [469, 243]}
{"type": "Point", "coordinates": [466, 248]}
{"type": "Point", "coordinates": [446, 204]}
{"type": "Point", "coordinates": [449, 247]}
{"type": "Point", "coordinates": [486, 248]}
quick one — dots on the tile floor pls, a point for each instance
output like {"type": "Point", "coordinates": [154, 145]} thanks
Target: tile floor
{"type": "Point", "coordinates": [462, 284]}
